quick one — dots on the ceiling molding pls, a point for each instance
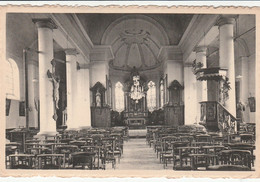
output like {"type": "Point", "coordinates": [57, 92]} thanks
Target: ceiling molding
{"type": "Point", "coordinates": [169, 53]}
{"type": "Point", "coordinates": [199, 26]}
{"type": "Point", "coordinates": [72, 32]}
{"type": "Point", "coordinates": [84, 66]}
{"type": "Point", "coordinates": [188, 29]}
{"type": "Point", "coordinates": [82, 29]}
{"type": "Point", "coordinates": [101, 53]}
{"type": "Point", "coordinates": [127, 17]}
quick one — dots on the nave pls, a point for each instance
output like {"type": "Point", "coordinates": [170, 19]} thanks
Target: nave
{"type": "Point", "coordinates": [188, 147]}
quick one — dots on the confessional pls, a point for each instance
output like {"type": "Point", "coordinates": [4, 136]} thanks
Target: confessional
{"type": "Point", "coordinates": [174, 109]}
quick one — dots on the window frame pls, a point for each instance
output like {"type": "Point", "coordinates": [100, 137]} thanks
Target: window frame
{"type": "Point", "coordinates": [11, 66]}
{"type": "Point", "coordinates": [119, 87]}
{"type": "Point", "coordinates": [151, 96]}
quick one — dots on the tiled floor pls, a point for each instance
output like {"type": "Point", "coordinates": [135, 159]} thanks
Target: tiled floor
{"type": "Point", "coordinates": [138, 156]}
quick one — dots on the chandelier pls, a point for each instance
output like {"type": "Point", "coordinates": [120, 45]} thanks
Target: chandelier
{"type": "Point", "coordinates": [136, 92]}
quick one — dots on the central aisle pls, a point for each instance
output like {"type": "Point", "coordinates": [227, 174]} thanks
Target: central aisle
{"type": "Point", "coordinates": [138, 156]}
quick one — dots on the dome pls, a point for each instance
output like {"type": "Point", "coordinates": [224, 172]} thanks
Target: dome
{"type": "Point", "coordinates": [135, 42]}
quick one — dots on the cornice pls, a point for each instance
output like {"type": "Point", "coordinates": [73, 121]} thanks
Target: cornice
{"type": "Point", "coordinates": [226, 19]}
{"type": "Point", "coordinates": [169, 53]}
{"type": "Point", "coordinates": [84, 66]}
{"type": "Point", "coordinates": [72, 52]}
{"type": "Point", "coordinates": [44, 23]}
{"type": "Point", "coordinates": [199, 26]}
{"type": "Point", "coordinates": [101, 53]}
{"type": "Point", "coordinates": [72, 30]}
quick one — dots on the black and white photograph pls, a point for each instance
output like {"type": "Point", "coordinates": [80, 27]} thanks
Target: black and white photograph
{"type": "Point", "coordinates": [130, 91]}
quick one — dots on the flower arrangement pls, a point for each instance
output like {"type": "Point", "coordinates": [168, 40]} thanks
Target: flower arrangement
{"type": "Point", "coordinates": [196, 65]}
{"type": "Point", "coordinates": [225, 88]}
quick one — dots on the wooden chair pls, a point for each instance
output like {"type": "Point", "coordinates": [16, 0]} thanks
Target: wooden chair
{"type": "Point", "coordinates": [51, 161]}
{"type": "Point", "coordinates": [230, 160]}
{"type": "Point", "coordinates": [83, 160]}
{"type": "Point", "coordinates": [22, 161]}
{"type": "Point", "coordinates": [106, 157]}
{"type": "Point", "coordinates": [67, 150]}
{"type": "Point", "coordinates": [177, 154]}
{"type": "Point", "coordinates": [243, 146]}
{"type": "Point", "coordinates": [203, 138]}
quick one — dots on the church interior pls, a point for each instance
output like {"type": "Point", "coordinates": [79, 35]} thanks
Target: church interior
{"type": "Point", "coordinates": [130, 91]}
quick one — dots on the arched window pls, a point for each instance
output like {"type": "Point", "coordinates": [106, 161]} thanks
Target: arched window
{"type": "Point", "coordinates": [162, 93]}
{"type": "Point", "coordinates": [151, 96]}
{"type": "Point", "coordinates": [119, 97]}
{"type": "Point", "coordinates": [12, 81]}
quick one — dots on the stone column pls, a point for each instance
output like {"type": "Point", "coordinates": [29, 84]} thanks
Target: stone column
{"type": "Point", "coordinates": [244, 92]}
{"type": "Point", "coordinates": [201, 57]}
{"type": "Point", "coordinates": [190, 96]}
{"type": "Point", "coordinates": [45, 46]}
{"type": "Point", "coordinates": [33, 97]}
{"type": "Point", "coordinates": [226, 57]}
{"type": "Point", "coordinates": [202, 92]}
{"type": "Point", "coordinates": [83, 97]}
{"type": "Point", "coordinates": [71, 68]}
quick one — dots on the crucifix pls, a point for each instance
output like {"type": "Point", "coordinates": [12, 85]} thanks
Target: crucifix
{"type": "Point", "coordinates": [55, 79]}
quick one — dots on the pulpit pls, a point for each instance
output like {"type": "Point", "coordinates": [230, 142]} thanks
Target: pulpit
{"type": "Point", "coordinates": [100, 111]}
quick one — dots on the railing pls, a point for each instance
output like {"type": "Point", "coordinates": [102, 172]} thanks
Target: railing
{"type": "Point", "coordinates": [226, 121]}
{"type": "Point", "coordinates": [217, 118]}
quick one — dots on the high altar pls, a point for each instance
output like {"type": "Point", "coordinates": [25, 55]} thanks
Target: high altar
{"type": "Point", "coordinates": [136, 111]}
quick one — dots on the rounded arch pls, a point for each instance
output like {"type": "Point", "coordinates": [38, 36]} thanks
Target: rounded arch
{"type": "Point", "coordinates": [128, 17]}
{"type": "Point", "coordinates": [242, 46]}
{"type": "Point", "coordinates": [12, 80]}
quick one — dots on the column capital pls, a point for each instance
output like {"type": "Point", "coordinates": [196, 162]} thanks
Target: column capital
{"type": "Point", "coordinates": [186, 65]}
{"type": "Point", "coordinates": [84, 66]}
{"type": "Point", "coordinates": [243, 58]}
{"type": "Point", "coordinates": [200, 49]}
{"type": "Point", "coordinates": [44, 23]}
{"type": "Point", "coordinates": [71, 52]}
{"type": "Point", "coordinates": [226, 19]}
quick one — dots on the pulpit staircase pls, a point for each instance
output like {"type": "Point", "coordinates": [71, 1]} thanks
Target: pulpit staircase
{"type": "Point", "coordinates": [215, 117]}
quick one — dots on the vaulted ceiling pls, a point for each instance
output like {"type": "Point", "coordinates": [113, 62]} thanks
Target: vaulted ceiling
{"type": "Point", "coordinates": [135, 39]}
{"type": "Point", "coordinates": [173, 24]}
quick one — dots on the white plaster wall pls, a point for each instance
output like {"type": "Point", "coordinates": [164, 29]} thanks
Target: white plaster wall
{"type": "Point", "coordinates": [82, 111]}
{"type": "Point", "coordinates": [98, 73]}
{"type": "Point", "coordinates": [14, 120]}
{"type": "Point", "coordinates": [174, 71]}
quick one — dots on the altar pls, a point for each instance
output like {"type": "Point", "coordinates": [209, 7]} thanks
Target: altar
{"type": "Point", "coordinates": [136, 112]}
{"type": "Point", "coordinates": [136, 123]}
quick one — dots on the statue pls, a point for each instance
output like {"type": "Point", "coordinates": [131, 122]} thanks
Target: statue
{"type": "Point", "coordinates": [56, 84]}
{"type": "Point", "coordinates": [241, 109]}
{"type": "Point", "coordinates": [98, 99]}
